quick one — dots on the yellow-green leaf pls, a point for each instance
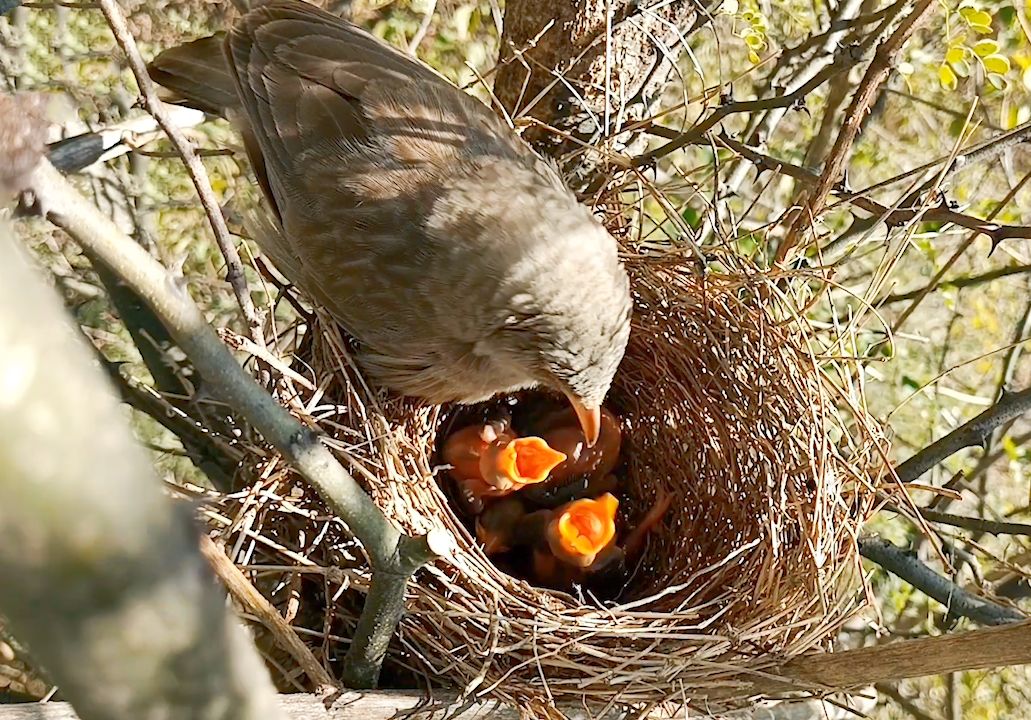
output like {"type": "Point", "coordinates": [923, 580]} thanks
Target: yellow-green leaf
{"type": "Point", "coordinates": [984, 48]}
{"type": "Point", "coordinates": [982, 29]}
{"type": "Point", "coordinates": [755, 41]}
{"type": "Point", "coordinates": [956, 53]}
{"type": "Point", "coordinates": [961, 68]}
{"type": "Point", "coordinates": [997, 64]}
{"type": "Point", "coordinates": [947, 78]}
{"type": "Point", "coordinates": [753, 57]}
{"type": "Point", "coordinates": [977, 17]}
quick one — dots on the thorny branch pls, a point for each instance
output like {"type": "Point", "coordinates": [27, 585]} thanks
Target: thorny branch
{"type": "Point", "coordinates": [959, 602]}
{"type": "Point", "coordinates": [893, 216]}
{"type": "Point", "coordinates": [862, 100]}
{"type": "Point", "coordinates": [389, 551]}
{"type": "Point", "coordinates": [969, 434]}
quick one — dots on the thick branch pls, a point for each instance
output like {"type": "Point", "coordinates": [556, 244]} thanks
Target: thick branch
{"type": "Point", "coordinates": [958, 601]}
{"type": "Point", "coordinates": [94, 558]}
{"type": "Point", "coordinates": [587, 68]}
{"type": "Point", "coordinates": [172, 304]}
{"type": "Point", "coordinates": [969, 434]}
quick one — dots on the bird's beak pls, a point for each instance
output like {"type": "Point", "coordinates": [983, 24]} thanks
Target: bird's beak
{"type": "Point", "coordinates": [589, 417]}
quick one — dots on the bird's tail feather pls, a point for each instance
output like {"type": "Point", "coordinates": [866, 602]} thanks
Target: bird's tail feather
{"type": "Point", "coordinates": [197, 74]}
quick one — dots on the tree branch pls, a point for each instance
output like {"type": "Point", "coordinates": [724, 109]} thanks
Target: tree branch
{"type": "Point", "coordinates": [971, 433]}
{"type": "Point", "coordinates": [993, 527]}
{"type": "Point", "coordinates": [194, 166]}
{"type": "Point", "coordinates": [958, 601]}
{"type": "Point", "coordinates": [168, 299]}
{"type": "Point", "coordinates": [866, 93]}
{"type": "Point", "coordinates": [958, 282]}
{"type": "Point", "coordinates": [897, 216]}
{"type": "Point", "coordinates": [93, 556]}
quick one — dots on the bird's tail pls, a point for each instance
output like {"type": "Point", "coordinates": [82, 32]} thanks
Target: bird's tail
{"type": "Point", "coordinates": [197, 74]}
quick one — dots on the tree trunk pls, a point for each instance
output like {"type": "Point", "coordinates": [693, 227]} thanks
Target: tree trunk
{"type": "Point", "coordinates": [558, 58]}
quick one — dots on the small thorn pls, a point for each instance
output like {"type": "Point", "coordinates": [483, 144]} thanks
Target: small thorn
{"type": "Point", "coordinates": [996, 242]}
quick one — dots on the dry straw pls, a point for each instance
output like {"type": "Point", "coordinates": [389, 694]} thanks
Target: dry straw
{"type": "Point", "coordinates": [727, 404]}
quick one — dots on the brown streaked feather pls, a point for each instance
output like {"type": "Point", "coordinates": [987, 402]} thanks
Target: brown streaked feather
{"type": "Point", "coordinates": [443, 244]}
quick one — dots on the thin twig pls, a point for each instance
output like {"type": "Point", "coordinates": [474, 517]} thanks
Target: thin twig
{"type": "Point", "coordinates": [198, 174]}
{"type": "Point", "coordinates": [959, 282]}
{"type": "Point", "coordinates": [253, 601]}
{"type": "Point", "coordinates": [893, 216]}
{"type": "Point", "coordinates": [993, 527]}
{"type": "Point", "coordinates": [969, 434]}
{"type": "Point", "coordinates": [908, 567]}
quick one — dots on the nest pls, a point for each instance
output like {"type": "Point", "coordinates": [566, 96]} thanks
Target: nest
{"type": "Point", "coordinates": [727, 405]}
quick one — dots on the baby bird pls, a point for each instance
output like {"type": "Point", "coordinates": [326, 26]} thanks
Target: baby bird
{"type": "Point", "coordinates": [586, 468]}
{"type": "Point", "coordinates": [489, 461]}
{"type": "Point", "coordinates": [568, 543]}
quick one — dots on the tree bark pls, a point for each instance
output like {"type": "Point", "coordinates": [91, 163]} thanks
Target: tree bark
{"type": "Point", "coordinates": [588, 68]}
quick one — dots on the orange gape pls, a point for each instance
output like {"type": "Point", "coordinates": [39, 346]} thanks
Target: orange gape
{"type": "Point", "coordinates": [583, 529]}
{"type": "Point", "coordinates": [490, 461]}
{"type": "Point", "coordinates": [584, 470]}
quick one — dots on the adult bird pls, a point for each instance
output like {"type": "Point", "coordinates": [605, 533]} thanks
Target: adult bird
{"type": "Point", "coordinates": [453, 254]}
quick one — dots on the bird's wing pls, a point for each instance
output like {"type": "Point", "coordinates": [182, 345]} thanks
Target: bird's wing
{"type": "Point", "coordinates": [318, 90]}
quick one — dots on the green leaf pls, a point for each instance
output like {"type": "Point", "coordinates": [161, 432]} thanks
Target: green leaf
{"type": "Point", "coordinates": [1013, 451]}
{"type": "Point", "coordinates": [956, 54]}
{"type": "Point", "coordinates": [753, 57]}
{"type": "Point", "coordinates": [984, 48]}
{"type": "Point", "coordinates": [947, 78]}
{"type": "Point", "coordinates": [982, 29]}
{"type": "Point", "coordinates": [997, 64]}
{"type": "Point", "coordinates": [691, 216]}
{"type": "Point", "coordinates": [977, 17]}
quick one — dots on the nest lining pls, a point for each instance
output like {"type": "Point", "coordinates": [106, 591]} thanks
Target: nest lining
{"type": "Point", "coordinates": [725, 406]}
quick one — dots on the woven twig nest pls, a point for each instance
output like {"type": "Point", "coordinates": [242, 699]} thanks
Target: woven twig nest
{"type": "Point", "coordinates": [725, 405]}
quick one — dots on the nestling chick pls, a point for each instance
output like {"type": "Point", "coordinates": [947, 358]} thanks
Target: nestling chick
{"type": "Point", "coordinates": [489, 461]}
{"type": "Point", "coordinates": [585, 471]}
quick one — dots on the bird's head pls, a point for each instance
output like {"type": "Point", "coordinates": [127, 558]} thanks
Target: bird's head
{"type": "Point", "coordinates": [569, 323]}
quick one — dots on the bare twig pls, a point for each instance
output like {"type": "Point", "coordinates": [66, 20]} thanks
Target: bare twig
{"type": "Point", "coordinates": [969, 434]}
{"type": "Point", "coordinates": [198, 174]}
{"type": "Point", "coordinates": [993, 527]}
{"type": "Point", "coordinates": [866, 93]}
{"type": "Point", "coordinates": [908, 566]}
{"type": "Point", "coordinates": [960, 282]}
{"type": "Point", "coordinates": [893, 216]}
{"type": "Point", "coordinates": [389, 551]}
